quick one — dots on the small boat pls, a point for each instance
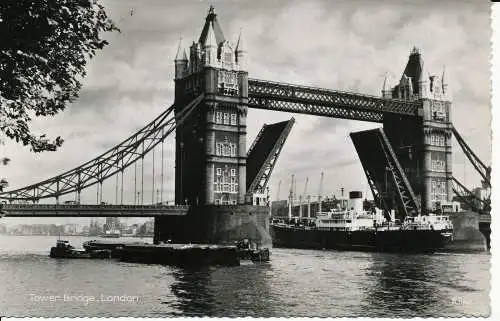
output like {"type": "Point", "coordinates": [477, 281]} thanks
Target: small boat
{"type": "Point", "coordinates": [65, 250]}
{"type": "Point", "coordinates": [249, 251]}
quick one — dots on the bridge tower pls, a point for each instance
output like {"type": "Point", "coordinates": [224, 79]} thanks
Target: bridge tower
{"type": "Point", "coordinates": [211, 143]}
{"type": "Point", "coordinates": [423, 143]}
{"type": "Point", "coordinates": [211, 151]}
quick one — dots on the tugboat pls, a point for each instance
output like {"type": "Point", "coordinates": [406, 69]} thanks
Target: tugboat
{"type": "Point", "coordinates": [65, 250]}
{"type": "Point", "coordinates": [249, 251]}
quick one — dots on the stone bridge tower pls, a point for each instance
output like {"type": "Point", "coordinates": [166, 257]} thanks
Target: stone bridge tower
{"type": "Point", "coordinates": [211, 143]}
{"type": "Point", "coordinates": [423, 144]}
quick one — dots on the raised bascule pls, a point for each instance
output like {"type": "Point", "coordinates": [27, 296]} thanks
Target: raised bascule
{"type": "Point", "coordinates": [220, 186]}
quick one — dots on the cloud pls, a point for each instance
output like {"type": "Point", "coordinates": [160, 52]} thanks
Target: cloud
{"type": "Point", "coordinates": [343, 45]}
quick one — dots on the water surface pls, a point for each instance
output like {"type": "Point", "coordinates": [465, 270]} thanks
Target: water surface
{"type": "Point", "coordinates": [294, 283]}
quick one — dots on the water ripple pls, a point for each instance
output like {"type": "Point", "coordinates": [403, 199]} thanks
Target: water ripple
{"type": "Point", "coordinates": [295, 283]}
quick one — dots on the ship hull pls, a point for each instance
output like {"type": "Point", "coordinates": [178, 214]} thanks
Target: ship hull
{"type": "Point", "coordinates": [411, 241]}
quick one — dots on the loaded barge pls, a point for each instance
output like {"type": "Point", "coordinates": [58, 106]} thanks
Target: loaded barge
{"type": "Point", "coordinates": [166, 253]}
{"type": "Point", "coordinates": [349, 227]}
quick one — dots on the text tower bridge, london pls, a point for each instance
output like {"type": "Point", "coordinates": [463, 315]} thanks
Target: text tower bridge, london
{"type": "Point", "coordinates": [220, 186]}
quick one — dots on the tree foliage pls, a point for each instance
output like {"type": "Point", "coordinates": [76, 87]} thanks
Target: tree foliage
{"type": "Point", "coordinates": [44, 48]}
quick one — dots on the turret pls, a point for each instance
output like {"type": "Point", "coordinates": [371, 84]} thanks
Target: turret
{"type": "Point", "coordinates": [181, 62]}
{"type": "Point", "coordinates": [210, 48]}
{"type": "Point", "coordinates": [386, 93]}
{"type": "Point", "coordinates": [410, 88]}
{"type": "Point", "coordinates": [444, 84]}
{"type": "Point", "coordinates": [241, 53]}
{"type": "Point", "coordinates": [422, 86]}
{"type": "Point", "coordinates": [194, 57]}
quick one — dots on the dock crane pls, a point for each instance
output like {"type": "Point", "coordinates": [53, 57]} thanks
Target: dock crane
{"type": "Point", "coordinates": [278, 193]}
{"type": "Point", "coordinates": [481, 206]}
{"type": "Point", "coordinates": [277, 198]}
{"type": "Point", "coordinates": [302, 196]}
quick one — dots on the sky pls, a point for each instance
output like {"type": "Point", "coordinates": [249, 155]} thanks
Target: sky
{"type": "Point", "coordinates": [343, 45]}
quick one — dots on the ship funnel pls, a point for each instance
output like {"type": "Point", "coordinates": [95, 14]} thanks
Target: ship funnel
{"type": "Point", "coordinates": [356, 201]}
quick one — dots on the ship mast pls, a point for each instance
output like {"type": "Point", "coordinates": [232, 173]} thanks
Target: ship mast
{"type": "Point", "coordinates": [290, 199]}
{"type": "Point", "coordinates": [302, 197]}
{"type": "Point", "coordinates": [320, 192]}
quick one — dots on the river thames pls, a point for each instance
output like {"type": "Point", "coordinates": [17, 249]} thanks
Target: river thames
{"type": "Point", "coordinates": [295, 283]}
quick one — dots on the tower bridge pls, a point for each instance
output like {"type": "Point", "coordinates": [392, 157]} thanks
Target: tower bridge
{"type": "Point", "coordinates": [220, 186]}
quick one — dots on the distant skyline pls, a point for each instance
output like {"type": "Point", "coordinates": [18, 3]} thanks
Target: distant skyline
{"type": "Point", "coordinates": [342, 45]}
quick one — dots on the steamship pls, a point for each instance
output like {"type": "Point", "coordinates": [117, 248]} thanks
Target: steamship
{"type": "Point", "coordinates": [349, 227]}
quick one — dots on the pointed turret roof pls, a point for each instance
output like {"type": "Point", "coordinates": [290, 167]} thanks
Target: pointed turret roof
{"type": "Point", "coordinates": [181, 52]}
{"type": "Point", "coordinates": [384, 86]}
{"type": "Point", "coordinates": [211, 20]}
{"type": "Point", "coordinates": [211, 39]}
{"type": "Point", "coordinates": [240, 45]}
{"type": "Point", "coordinates": [414, 68]}
{"type": "Point", "coordinates": [444, 83]}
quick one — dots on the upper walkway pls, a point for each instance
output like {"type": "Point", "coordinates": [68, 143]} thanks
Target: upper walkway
{"type": "Point", "coordinates": [271, 95]}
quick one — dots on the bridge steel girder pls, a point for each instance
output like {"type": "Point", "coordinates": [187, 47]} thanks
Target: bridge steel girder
{"type": "Point", "coordinates": [109, 163]}
{"type": "Point", "coordinates": [269, 95]}
{"type": "Point", "coordinates": [378, 158]}
{"type": "Point", "coordinates": [261, 178]}
{"type": "Point", "coordinates": [465, 195]}
{"type": "Point", "coordinates": [81, 210]}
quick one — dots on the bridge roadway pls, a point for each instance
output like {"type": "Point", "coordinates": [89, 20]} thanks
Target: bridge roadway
{"type": "Point", "coordinates": [83, 210]}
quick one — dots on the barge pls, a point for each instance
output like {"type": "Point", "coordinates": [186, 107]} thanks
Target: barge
{"type": "Point", "coordinates": [183, 254]}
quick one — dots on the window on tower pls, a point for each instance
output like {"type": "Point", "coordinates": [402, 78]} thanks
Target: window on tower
{"type": "Point", "coordinates": [438, 190]}
{"type": "Point", "coordinates": [227, 83]}
{"type": "Point", "coordinates": [225, 148]}
{"type": "Point", "coordinates": [226, 182]}
{"type": "Point", "coordinates": [233, 119]}
{"type": "Point", "coordinates": [438, 140]}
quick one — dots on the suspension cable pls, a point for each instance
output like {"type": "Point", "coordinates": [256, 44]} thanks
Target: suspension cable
{"type": "Point", "coordinates": [135, 184]}
{"type": "Point", "coordinates": [105, 165]}
{"type": "Point", "coordinates": [116, 192]}
{"type": "Point", "coordinates": [162, 143]}
{"type": "Point", "coordinates": [121, 202]}
{"type": "Point", "coordinates": [142, 175]}
{"type": "Point", "coordinates": [153, 190]}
